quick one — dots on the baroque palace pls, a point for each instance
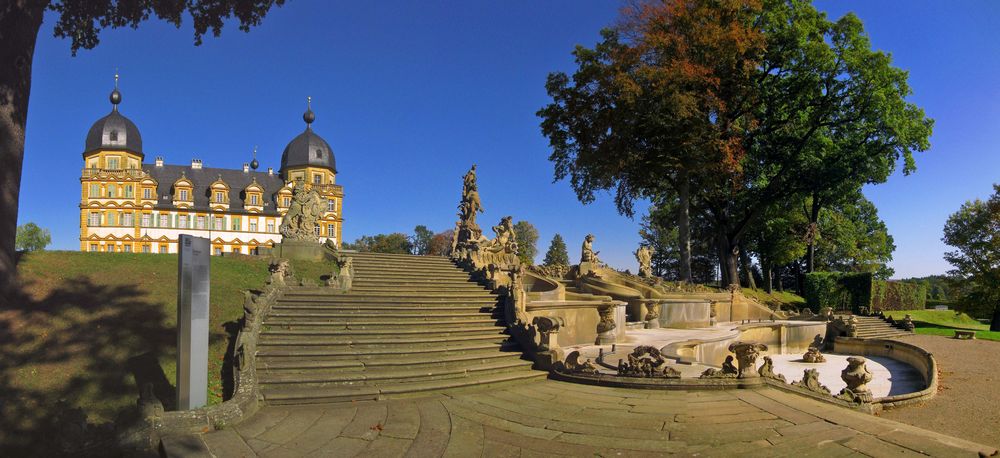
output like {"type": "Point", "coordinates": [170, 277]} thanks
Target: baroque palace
{"type": "Point", "coordinates": [128, 205]}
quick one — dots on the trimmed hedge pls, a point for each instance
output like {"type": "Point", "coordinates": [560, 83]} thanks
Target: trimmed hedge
{"type": "Point", "coordinates": [854, 291]}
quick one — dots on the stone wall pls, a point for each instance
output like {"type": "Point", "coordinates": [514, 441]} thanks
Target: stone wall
{"type": "Point", "coordinates": [921, 360]}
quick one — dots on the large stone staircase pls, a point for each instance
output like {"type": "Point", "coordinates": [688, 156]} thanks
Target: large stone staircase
{"type": "Point", "coordinates": [409, 324]}
{"type": "Point", "coordinates": [873, 327]}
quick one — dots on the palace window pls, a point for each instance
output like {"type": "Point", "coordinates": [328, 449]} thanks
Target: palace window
{"type": "Point", "coordinates": [95, 190]}
{"type": "Point", "coordinates": [331, 205]}
{"type": "Point", "coordinates": [183, 194]}
{"type": "Point", "coordinates": [113, 163]}
{"type": "Point", "coordinates": [270, 227]}
{"type": "Point", "coordinates": [164, 220]}
{"type": "Point", "coordinates": [127, 248]}
{"type": "Point", "coordinates": [217, 223]}
{"type": "Point", "coordinates": [147, 193]}
{"type": "Point", "coordinates": [128, 190]}
{"type": "Point", "coordinates": [218, 251]}
{"type": "Point", "coordinates": [316, 230]}
{"type": "Point", "coordinates": [237, 249]}
{"type": "Point", "coordinates": [236, 224]}
{"type": "Point", "coordinates": [163, 248]}
{"type": "Point", "coordinates": [330, 230]}
{"type": "Point", "coordinates": [220, 197]}
{"type": "Point", "coordinates": [145, 248]}
{"type": "Point", "coordinates": [127, 219]}
{"type": "Point", "coordinates": [93, 247]}
{"type": "Point", "coordinates": [95, 219]}
{"type": "Point", "coordinates": [145, 219]}
{"type": "Point", "coordinates": [253, 199]}
{"type": "Point", "coordinates": [200, 222]}
{"type": "Point", "coordinates": [317, 179]}
{"type": "Point", "coordinates": [253, 226]}
{"type": "Point", "coordinates": [112, 191]}
{"type": "Point", "coordinates": [287, 201]}
{"type": "Point", "coordinates": [182, 221]}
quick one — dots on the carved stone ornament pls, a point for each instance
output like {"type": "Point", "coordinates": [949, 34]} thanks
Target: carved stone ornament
{"type": "Point", "coordinates": [466, 230]}
{"type": "Point", "coordinates": [810, 381]}
{"type": "Point", "coordinates": [856, 376]}
{"type": "Point", "coordinates": [852, 326]}
{"type": "Point", "coordinates": [652, 311]}
{"type": "Point", "coordinates": [813, 355]}
{"type": "Point", "coordinates": [767, 370]}
{"type": "Point", "coordinates": [343, 279]}
{"type": "Point", "coordinates": [646, 361]}
{"type": "Point", "coordinates": [548, 330]}
{"type": "Point", "coordinates": [306, 208]}
{"type": "Point", "coordinates": [728, 370]}
{"type": "Point", "coordinates": [907, 323]}
{"type": "Point", "coordinates": [746, 356]}
{"type": "Point", "coordinates": [249, 308]}
{"type": "Point", "coordinates": [279, 269]}
{"type": "Point", "coordinates": [574, 366]}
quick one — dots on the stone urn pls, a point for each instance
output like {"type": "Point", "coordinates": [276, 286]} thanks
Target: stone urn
{"type": "Point", "coordinates": [746, 357]}
{"type": "Point", "coordinates": [856, 376]}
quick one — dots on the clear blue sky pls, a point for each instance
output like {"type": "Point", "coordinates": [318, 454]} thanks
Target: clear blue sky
{"type": "Point", "coordinates": [410, 94]}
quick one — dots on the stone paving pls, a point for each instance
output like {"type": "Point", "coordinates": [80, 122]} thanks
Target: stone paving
{"type": "Point", "coordinates": [545, 417]}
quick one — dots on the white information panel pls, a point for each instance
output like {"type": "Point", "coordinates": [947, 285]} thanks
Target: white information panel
{"type": "Point", "coordinates": [192, 321]}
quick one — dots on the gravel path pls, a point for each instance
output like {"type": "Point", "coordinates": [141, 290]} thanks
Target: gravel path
{"type": "Point", "coordinates": [968, 401]}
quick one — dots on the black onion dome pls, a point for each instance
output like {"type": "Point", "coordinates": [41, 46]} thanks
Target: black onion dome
{"type": "Point", "coordinates": [308, 149]}
{"type": "Point", "coordinates": [114, 131]}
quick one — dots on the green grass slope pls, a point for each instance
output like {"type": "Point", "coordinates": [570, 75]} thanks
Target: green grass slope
{"type": "Point", "coordinates": [944, 323]}
{"type": "Point", "coordinates": [90, 328]}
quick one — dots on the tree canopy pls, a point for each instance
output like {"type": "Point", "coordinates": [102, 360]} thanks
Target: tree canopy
{"type": "Point", "coordinates": [422, 238]}
{"type": "Point", "coordinates": [527, 242]}
{"type": "Point", "coordinates": [397, 243]}
{"type": "Point", "coordinates": [756, 102]}
{"type": "Point", "coordinates": [30, 237]}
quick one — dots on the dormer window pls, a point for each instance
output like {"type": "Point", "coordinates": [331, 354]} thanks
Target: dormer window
{"type": "Point", "coordinates": [220, 197]}
{"type": "Point", "coordinates": [253, 199]}
{"type": "Point", "coordinates": [318, 153]}
{"type": "Point", "coordinates": [113, 136]}
{"type": "Point", "coordinates": [183, 194]}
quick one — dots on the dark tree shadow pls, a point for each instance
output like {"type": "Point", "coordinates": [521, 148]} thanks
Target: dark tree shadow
{"type": "Point", "coordinates": [91, 342]}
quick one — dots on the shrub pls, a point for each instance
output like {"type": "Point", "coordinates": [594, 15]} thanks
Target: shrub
{"type": "Point", "coordinates": [854, 291]}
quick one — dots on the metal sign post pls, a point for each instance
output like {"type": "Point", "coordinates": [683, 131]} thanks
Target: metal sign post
{"type": "Point", "coordinates": [192, 321]}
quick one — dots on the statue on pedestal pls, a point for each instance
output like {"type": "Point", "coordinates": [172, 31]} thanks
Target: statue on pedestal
{"type": "Point", "coordinates": [588, 254]}
{"type": "Point", "coordinates": [645, 257]}
{"type": "Point", "coordinates": [299, 223]}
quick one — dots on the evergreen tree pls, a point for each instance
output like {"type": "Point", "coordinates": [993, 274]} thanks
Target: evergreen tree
{"type": "Point", "coordinates": [422, 240]}
{"type": "Point", "coordinates": [557, 254]}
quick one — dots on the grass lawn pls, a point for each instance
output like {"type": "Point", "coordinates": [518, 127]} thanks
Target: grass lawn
{"type": "Point", "coordinates": [785, 300]}
{"type": "Point", "coordinates": [90, 328]}
{"type": "Point", "coordinates": [945, 322]}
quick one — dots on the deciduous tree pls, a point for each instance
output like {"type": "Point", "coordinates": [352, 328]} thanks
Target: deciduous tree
{"type": "Point", "coordinates": [422, 240]}
{"type": "Point", "coordinates": [30, 237]}
{"type": "Point", "coordinates": [527, 242]}
{"type": "Point", "coordinates": [974, 231]}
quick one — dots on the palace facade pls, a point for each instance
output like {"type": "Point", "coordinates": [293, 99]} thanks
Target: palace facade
{"type": "Point", "coordinates": [129, 205]}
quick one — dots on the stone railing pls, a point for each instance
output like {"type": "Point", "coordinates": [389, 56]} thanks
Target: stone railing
{"type": "Point", "coordinates": [113, 173]}
{"type": "Point", "coordinates": [920, 359]}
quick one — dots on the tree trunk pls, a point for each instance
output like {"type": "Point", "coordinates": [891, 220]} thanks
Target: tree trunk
{"type": "Point", "coordinates": [19, 24]}
{"type": "Point", "coordinates": [747, 269]}
{"type": "Point", "coordinates": [684, 224]}
{"type": "Point", "coordinates": [768, 277]}
{"type": "Point", "coordinates": [781, 286]}
{"type": "Point", "coordinates": [728, 261]}
{"type": "Point", "coordinates": [814, 226]}
{"type": "Point", "coordinates": [995, 322]}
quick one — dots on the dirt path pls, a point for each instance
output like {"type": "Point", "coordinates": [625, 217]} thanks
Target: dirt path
{"type": "Point", "coordinates": [968, 402]}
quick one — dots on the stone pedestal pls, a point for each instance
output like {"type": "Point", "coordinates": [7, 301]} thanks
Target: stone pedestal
{"type": "Point", "coordinates": [299, 250]}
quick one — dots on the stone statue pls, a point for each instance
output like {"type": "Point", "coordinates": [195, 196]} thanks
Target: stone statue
{"type": "Point", "coordinates": [646, 361]}
{"type": "Point", "coordinates": [728, 370]}
{"type": "Point", "coordinates": [343, 279]}
{"type": "Point", "coordinates": [856, 376]}
{"type": "Point", "coordinates": [506, 239]}
{"type": "Point", "coordinates": [810, 381]}
{"type": "Point", "coordinates": [852, 326]}
{"type": "Point", "coordinates": [606, 327]}
{"type": "Point", "coordinates": [574, 366]}
{"type": "Point", "coordinates": [767, 370]}
{"type": "Point", "coordinates": [907, 324]}
{"type": "Point", "coordinates": [813, 356]}
{"type": "Point", "coordinates": [466, 230]}
{"type": "Point", "coordinates": [589, 255]}
{"type": "Point", "coordinates": [746, 355]}
{"type": "Point", "coordinates": [299, 223]}
{"type": "Point", "coordinates": [645, 257]}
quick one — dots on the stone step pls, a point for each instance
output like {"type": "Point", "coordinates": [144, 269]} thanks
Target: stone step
{"type": "Point", "coordinates": [390, 374]}
{"type": "Point", "coordinates": [442, 293]}
{"type": "Point", "coordinates": [417, 315]}
{"type": "Point", "coordinates": [383, 308]}
{"type": "Point", "coordinates": [291, 353]}
{"type": "Point", "coordinates": [326, 394]}
{"type": "Point", "coordinates": [410, 275]}
{"type": "Point", "coordinates": [395, 256]}
{"type": "Point", "coordinates": [416, 282]}
{"type": "Point", "coordinates": [364, 288]}
{"type": "Point", "coordinates": [376, 341]}
{"type": "Point", "coordinates": [411, 331]}
{"type": "Point", "coordinates": [394, 298]}
{"type": "Point", "coordinates": [386, 360]}
{"type": "Point", "coordinates": [383, 322]}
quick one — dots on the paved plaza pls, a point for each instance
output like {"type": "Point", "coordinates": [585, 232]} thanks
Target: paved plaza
{"type": "Point", "coordinates": [545, 417]}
